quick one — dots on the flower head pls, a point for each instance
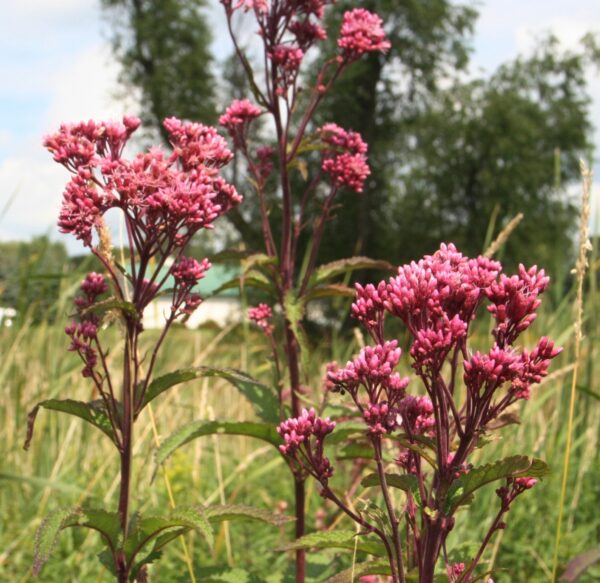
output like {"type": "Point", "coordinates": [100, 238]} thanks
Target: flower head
{"type": "Point", "coordinates": [344, 158]}
{"type": "Point", "coordinates": [237, 119]}
{"type": "Point", "coordinates": [307, 432]}
{"type": "Point", "coordinates": [261, 315]}
{"type": "Point", "coordinates": [362, 32]}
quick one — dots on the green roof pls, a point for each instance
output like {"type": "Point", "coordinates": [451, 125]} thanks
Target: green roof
{"type": "Point", "coordinates": [215, 277]}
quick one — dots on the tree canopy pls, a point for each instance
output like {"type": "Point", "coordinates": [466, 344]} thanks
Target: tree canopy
{"type": "Point", "coordinates": [448, 155]}
{"type": "Point", "coordinates": [164, 49]}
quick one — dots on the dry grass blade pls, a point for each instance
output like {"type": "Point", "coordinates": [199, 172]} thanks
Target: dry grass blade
{"type": "Point", "coordinates": [503, 236]}
{"type": "Point", "coordinates": [580, 269]}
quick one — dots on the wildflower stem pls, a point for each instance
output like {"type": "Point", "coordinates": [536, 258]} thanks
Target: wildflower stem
{"type": "Point", "coordinates": [390, 508]}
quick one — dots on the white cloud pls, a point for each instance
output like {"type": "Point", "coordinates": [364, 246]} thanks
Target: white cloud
{"type": "Point", "coordinates": [85, 88]}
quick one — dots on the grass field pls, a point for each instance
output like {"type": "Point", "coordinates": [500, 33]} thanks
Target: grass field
{"type": "Point", "coordinates": [69, 464]}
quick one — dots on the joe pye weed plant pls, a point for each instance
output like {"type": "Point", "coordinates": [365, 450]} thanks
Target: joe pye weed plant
{"type": "Point", "coordinates": [422, 441]}
{"type": "Point", "coordinates": [418, 437]}
{"type": "Point", "coordinates": [164, 199]}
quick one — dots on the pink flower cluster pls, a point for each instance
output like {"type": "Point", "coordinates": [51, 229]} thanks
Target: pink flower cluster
{"type": "Point", "coordinates": [304, 441]}
{"type": "Point", "coordinates": [84, 330]}
{"type": "Point", "coordinates": [417, 415]}
{"type": "Point", "coordinates": [261, 315]}
{"type": "Point", "coordinates": [287, 59]}
{"type": "Point", "coordinates": [187, 272]}
{"type": "Point", "coordinates": [514, 302]}
{"type": "Point", "coordinates": [373, 370]}
{"type": "Point", "coordinates": [345, 159]}
{"type": "Point", "coordinates": [237, 119]}
{"type": "Point", "coordinates": [165, 199]}
{"type": "Point", "coordinates": [514, 487]}
{"type": "Point", "coordinates": [455, 570]}
{"type": "Point", "coordinates": [84, 143]}
{"type": "Point", "coordinates": [307, 33]}
{"type": "Point", "coordinates": [362, 32]}
{"type": "Point", "coordinates": [437, 298]}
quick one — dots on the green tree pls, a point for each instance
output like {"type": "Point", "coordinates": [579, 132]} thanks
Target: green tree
{"type": "Point", "coordinates": [164, 49]}
{"type": "Point", "coordinates": [496, 147]}
{"type": "Point", "coordinates": [383, 96]}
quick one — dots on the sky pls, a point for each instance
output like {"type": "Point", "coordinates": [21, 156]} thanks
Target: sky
{"type": "Point", "coordinates": [56, 65]}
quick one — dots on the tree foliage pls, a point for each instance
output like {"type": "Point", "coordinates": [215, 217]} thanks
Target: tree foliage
{"type": "Point", "coordinates": [447, 155]}
{"type": "Point", "coordinates": [495, 147]}
{"type": "Point", "coordinates": [164, 49]}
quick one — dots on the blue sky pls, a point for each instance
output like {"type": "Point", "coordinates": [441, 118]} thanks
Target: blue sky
{"type": "Point", "coordinates": [55, 65]}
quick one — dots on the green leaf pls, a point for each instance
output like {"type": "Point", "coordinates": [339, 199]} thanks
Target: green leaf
{"type": "Point", "coordinates": [151, 557]}
{"type": "Point", "coordinates": [512, 467]}
{"type": "Point", "coordinates": [345, 430]}
{"type": "Point", "coordinates": [421, 445]}
{"type": "Point", "coordinates": [113, 303]}
{"type": "Point", "coordinates": [352, 451]}
{"type": "Point", "coordinates": [336, 539]}
{"type": "Point", "coordinates": [295, 309]}
{"type": "Point", "coordinates": [377, 567]}
{"type": "Point", "coordinates": [329, 291]}
{"type": "Point", "coordinates": [261, 396]}
{"type": "Point", "coordinates": [257, 260]}
{"type": "Point", "coordinates": [107, 561]}
{"type": "Point", "coordinates": [106, 523]}
{"type": "Point", "coordinates": [329, 270]}
{"type": "Point", "coordinates": [143, 530]}
{"type": "Point", "coordinates": [253, 278]}
{"type": "Point", "coordinates": [47, 535]}
{"type": "Point", "coordinates": [187, 433]}
{"type": "Point", "coordinates": [221, 513]}
{"type": "Point", "coordinates": [93, 412]}
{"type": "Point", "coordinates": [406, 482]}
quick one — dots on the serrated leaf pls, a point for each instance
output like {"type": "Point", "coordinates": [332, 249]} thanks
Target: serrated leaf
{"type": "Point", "coordinates": [93, 412]}
{"type": "Point", "coordinates": [352, 451]}
{"type": "Point", "coordinates": [344, 431]}
{"type": "Point", "coordinates": [264, 431]}
{"type": "Point", "coordinates": [150, 558]}
{"type": "Point", "coordinates": [329, 270]}
{"type": "Point", "coordinates": [47, 534]}
{"type": "Point", "coordinates": [253, 279]}
{"type": "Point", "coordinates": [512, 467]}
{"type": "Point", "coordinates": [261, 396]}
{"type": "Point", "coordinates": [329, 291]}
{"type": "Point", "coordinates": [421, 445]}
{"type": "Point", "coordinates": [406, 482]}
{"type": "Point", "coordinates": [336, 539]}
{"type": "Point", "coordinates": [295, 309]}
{"type": "Point", "coordinates": [106, 523]}
{"type": "Point", "coordinates": [221, 513]}
{"type": "Point", "coordinates": [257, 260]}
{"type": "Point", "coordinates": [107, 561]}
{"type": "Point", "coordinates": [145, 529]}
{"type": "Point", "coordinates": [113, 303]}
{"type": "Point", "coordinates": [377, 567]}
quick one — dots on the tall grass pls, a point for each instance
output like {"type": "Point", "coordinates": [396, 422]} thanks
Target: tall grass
{"type": "Point", "coordinates": [70, 464]}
